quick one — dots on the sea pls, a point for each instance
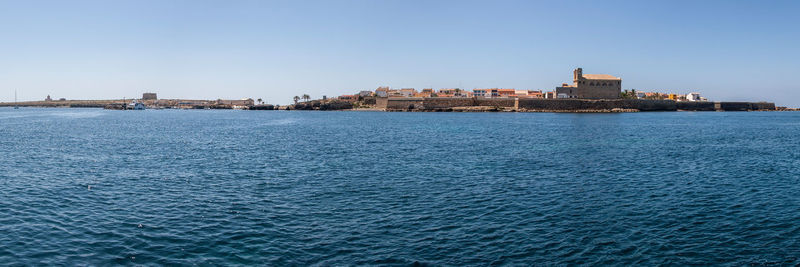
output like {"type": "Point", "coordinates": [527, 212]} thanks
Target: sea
{"type": "Point", "coordinates": [299, 188]}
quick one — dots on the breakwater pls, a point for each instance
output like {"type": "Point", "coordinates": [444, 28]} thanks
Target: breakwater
{"type": "Point", "coordinates": [150, 103]}
{"type": "Point", "coordinates": [561, 105]}
{"type": "Point", "coordinates": [63, 103]}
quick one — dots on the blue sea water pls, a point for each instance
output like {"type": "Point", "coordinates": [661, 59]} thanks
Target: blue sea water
{"type": "Point", "coordinates": [185, 187]}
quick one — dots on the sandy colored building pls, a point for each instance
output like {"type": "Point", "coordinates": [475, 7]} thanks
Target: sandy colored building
{"type": "Point", "coordinates": [408, 92]}
{"type": "Point", "coordinates": [535, 94]}
{"type": "Point", "coordinates": [591, 86]}
{"type": "Point", "coordinates": [506, 92]}
{"type": "Point", "coordinates": [348, 98]}
{"type": "Point", "coordinates": [240, 102]}
{"type": "Point", "coordinates": [149, 96]}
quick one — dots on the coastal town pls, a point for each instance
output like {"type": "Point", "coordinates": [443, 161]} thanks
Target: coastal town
{"type": "Point", "coordinates": [585, 86]}
{"type": "Point", "coordinates": [586, 93]}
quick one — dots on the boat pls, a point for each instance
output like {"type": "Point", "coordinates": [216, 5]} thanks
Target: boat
{"type": "Point", "coordinates": [136, 105]}
{"type": "Point", "coordinates": [15, 100]}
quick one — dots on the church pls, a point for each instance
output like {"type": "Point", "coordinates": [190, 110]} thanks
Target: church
{"type": "Point", "coordinates": [591, 86]}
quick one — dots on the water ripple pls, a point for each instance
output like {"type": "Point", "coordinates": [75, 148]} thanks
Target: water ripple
{"type": "Point", "coordinates": [98, 187]}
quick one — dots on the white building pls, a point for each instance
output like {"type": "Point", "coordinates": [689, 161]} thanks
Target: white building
{"type": "Point", "coordinates": [693, 97]}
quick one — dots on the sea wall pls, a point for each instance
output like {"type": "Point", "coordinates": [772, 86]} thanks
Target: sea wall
{"type": "Point", "coordinates": [696, 106]}
{"type": "Point", "coordinates": [381, 102]}
{"type": "Point", "coordinates": [405, 103]}
{"type": "Point", "coordinates": [495, 102]}
{"type": "Point", "coordinates": [732, 106]}
{"type": "Point", "coordinates": [448, 102]}
{"type": "Point", "coordinates": [320, 105]}
{"type": "Point", "coordinates": [762, 106]}
{"type": "Point", "coordinates": [744, 106]}
{"type": "Point", "coordinates": [529, 104]}
{"type": "Point", "coordinates": [604, 104]}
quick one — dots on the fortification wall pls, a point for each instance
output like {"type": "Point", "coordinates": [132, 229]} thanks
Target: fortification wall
{"type": "Point", "coordinates": [533, 104]}
{"type": "Point", "coordinates": [405, 103]}
{"type": "Point", "coordinates": [762, 106]}
{"type": "Point", "coordinates": [495, 102]}
{"type": "Point", "coordinates": [368, 100]}
{"type": "Point", "coordinates": [696, 106]}
{"type": "Point", "coordinates": [605, 104]}
{"type": "Point", "coordinates": [734, 106]}
{"type": "Point", "coordinates": [381, 102]}
{"type": "Point", "coordinates": [448, 102]}
{"type": "Point", "coordinates": [653, 105]}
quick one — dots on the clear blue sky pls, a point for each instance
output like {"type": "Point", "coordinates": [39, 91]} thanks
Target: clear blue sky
{"type": "Point", "coordinates": [727, 50]}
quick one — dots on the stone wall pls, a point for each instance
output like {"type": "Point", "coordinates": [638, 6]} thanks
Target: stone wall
{"type": "Point", "coordinates": [405, 103]}
{"type": "Point", "coordinates": [368, 100]}
{"type": "Point", "coordinates": [529, 104]}
{"type": "Point", "coordinates": [734, 106]}
{"type": "Point", "coordinates": [448, 102]}
{"type": "Point", "coordinates": [744, 106]}
{"type": "Point", "coordinates": [599, 92]}
{"type": "Point", "coordinates": [604, 104]}
{"type": "Point", "coordinates": [495, 102]}
{"type": "Point", "coordinates": [696, 106]}
{"type": "Point", "coordinates": [381, 102]}
{"type": "Point", "coordinates": [762, 106]}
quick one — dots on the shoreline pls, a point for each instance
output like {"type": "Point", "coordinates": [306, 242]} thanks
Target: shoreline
{"type": "Point", "coordinates": [443, 104]}
{"type": "Point", "coordinates": [453, 110]}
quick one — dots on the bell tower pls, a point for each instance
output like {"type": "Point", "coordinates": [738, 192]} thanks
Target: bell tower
{"type": "Point", "coordinates": [578, 74]}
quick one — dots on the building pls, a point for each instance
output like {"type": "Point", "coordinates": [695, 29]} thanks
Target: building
{"type": "Point", "coordinates": [348, 98]}
{"type": "Point", "coordinates": [591, 86]}
{"type": "Point", "coordinates": [653, 95]}
{"type": "Point", "coordinates": [408, 92]}
{"type": "Point", "coordinates": [48, 99]}
{"type": "Point", "coordinates": [693, 97]}
{"type": "Point", "coordinates": [489, 92]}
{"type": "Point", "coordinates": [446, 92]}
{"type": "Point", "coordinates": [149, 96]}
{"type": "Point", "coordinates": [242, 102]}
{"type": "Point", "coordinates": [527, 94]}
{"type": "Point", "coordinates": [426, 92]}
{"type": "Point", "coordinates": [505, 92]}
{"type": "Point", "coordinates": [365, 93]}
{"type": "Point", "coordinates": [382, 91]}
{"type": "Point", "coordinates": [535, 94]}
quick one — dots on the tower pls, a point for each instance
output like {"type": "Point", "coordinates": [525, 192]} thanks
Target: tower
{"type": "Point", "coordinates": [578, 73]}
